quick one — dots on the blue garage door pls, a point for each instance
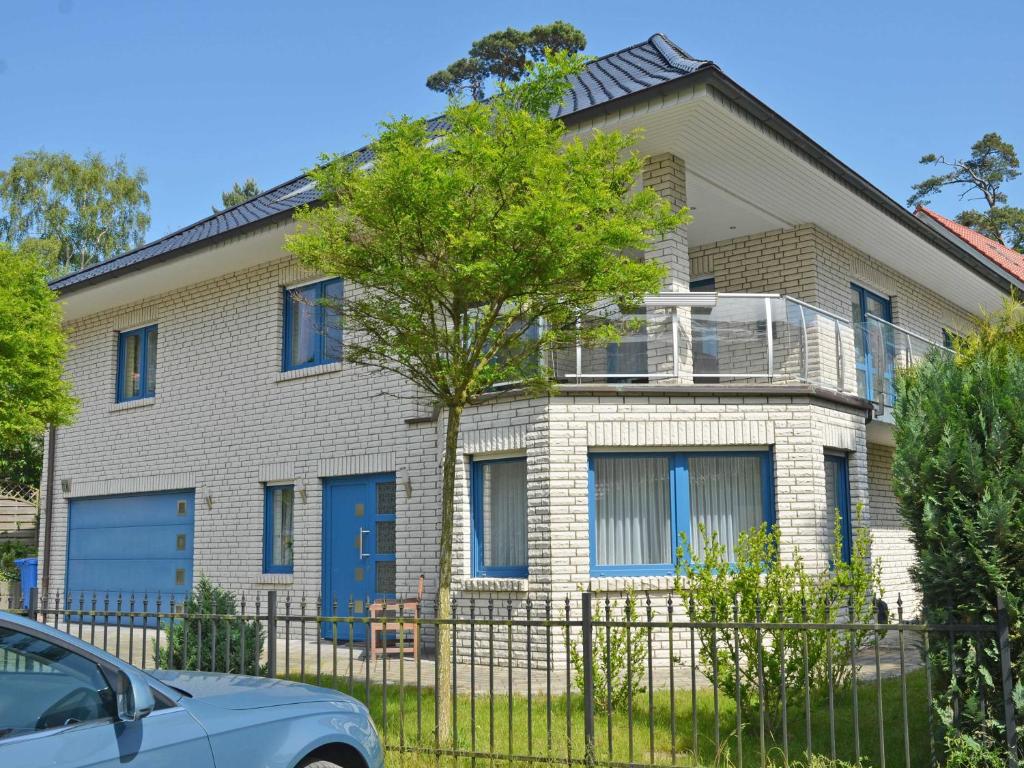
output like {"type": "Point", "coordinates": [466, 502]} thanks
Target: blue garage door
{"type": "Point", "coordinates": [137, 546]}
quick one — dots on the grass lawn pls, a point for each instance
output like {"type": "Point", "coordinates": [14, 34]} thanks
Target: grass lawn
{"type": "Point", "coordinates": [653, 738]}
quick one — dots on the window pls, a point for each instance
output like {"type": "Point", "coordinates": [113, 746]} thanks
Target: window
{"type": "Point", "coordinates": [136, 364]}
{"type": "Point", "coordinates": [874, 344]}
{"type": "Point", "coordinates": [499, 518]}
{"type": "Point", "coordinates": [278, 523]}
{"type": "Point", "coordinates": [837, 501]}
{"type": "Point", "coordinates": [47, 686]}
{"type": "Point", "coordinates": [640, 503]}
{"type": "Point", "coordinates": [312, 329]}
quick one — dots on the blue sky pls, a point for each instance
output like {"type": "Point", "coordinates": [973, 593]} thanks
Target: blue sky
{"type": "Point", "coordinates": [204, 93]}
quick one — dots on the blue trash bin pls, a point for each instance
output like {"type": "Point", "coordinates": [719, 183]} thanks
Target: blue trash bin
{"type": "Point", "coordinates": [28, 567]}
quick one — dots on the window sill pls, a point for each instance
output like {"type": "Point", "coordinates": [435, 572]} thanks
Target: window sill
{"type": "Point", "coordinates": [128, 405]}
{"type": "Point", "coordinates": [313, 370]}
{"type": "Point", "coordinates": [639, 583]}
{"type": "Point", "coordinates": [281, 579]}
{"type": "Point", "coordinates": [494, 584]}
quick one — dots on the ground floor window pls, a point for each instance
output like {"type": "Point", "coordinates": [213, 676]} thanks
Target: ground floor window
{"type": "Point", "coordinates": [499, 518]}
{"type": "Point", "coordinates": [640, 503]}
{"type": "Point", "coordinates": [837, 501]}
{"type": "Point", "coordinates": [278, 515]}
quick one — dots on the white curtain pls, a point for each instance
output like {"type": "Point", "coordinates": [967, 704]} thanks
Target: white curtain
{"type": "Point", "coordinates": [632, 510]}
{"type": "Point", "coordinates": [504, 513]}
{"type": "Point", "coordinates": [282, 512]}
{"type": "Point", "coordinates": [725, 497]}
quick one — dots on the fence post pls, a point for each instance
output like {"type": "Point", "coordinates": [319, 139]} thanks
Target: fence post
{"type": "Point", "coordinates": [272, 633]}
{"type": "Point", "coordinates": [33, 603]}
{"type": "Point", "coordinates": [1009, 715]}
{"type": "Point", "coordinates": [588, 677]}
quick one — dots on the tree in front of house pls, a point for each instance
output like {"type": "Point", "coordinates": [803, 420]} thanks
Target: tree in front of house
{"type": "Point", "coordinates": [32, 350]}
{"type": "Point", "coordinates": [992, 164]}
{"type": "Point", "coordinates": [505, 56]}
{"type": "Point", "coordinates": [461, 238]}
{"type": "Point", "coordinates": [958, 474]}
{"type": "Point", "coordinates": [238, 194]}
{"type": "Point", "coordinates": [89, 208]}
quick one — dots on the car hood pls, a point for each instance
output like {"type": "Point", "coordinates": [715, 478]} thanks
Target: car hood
{"type": "Point", "coordinates": [244, 692]}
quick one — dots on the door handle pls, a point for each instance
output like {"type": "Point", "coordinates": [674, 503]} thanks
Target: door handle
{"type": "Point", "coordinates": [362, 532]}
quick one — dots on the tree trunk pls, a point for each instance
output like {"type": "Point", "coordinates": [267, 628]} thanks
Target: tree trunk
{"type": "Point", "coordinates": [444, 585]}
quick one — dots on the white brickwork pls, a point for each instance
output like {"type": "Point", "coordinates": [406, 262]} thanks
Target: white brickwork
{"type": "Point", "coordinates": [225, 420]}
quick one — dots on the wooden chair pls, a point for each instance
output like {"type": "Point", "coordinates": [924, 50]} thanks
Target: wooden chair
{"type": "Point", "coordinates": [384, 618]}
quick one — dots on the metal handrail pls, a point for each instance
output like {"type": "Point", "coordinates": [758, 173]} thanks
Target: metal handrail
{"type": "Point", "coordinates": [901, 329]}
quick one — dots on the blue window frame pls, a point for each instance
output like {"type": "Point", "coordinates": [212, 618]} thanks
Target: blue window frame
{"type": "Point", "coordinates": [837, 496]}
{"type": "Point", "coordinates": [640, 503]}
{"type": "Point", "coordinates": [278, 528]}
{"type": "Point", "coordinates": [136, 363]}
{"type": "Point", "coordinates": [312, 330]}
{"type": "Point", "coordinates": [499, 510]}
{"type": "Point", "coordinates": [875, 346]}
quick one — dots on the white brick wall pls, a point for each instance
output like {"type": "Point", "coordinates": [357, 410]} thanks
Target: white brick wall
{"type": "Point", "coordinates": [225, 420]}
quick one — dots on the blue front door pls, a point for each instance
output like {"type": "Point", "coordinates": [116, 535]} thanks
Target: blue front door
{"type": "Point", "coordinates": [359, 548]}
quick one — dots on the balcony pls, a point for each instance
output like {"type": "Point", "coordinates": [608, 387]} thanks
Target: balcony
{"type": "Point", "coordinates": [729, 338]}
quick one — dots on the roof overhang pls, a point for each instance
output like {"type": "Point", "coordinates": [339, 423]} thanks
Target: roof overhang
{"type": "Point", "coordinates": [711, 80]}
{"type": "Point", "coordinates": [716, 126]}
{"type": "Point", "coordinates": [179, 269]}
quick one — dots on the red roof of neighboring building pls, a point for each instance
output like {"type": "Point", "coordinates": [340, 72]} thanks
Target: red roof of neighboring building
{"type": "Point", "coordinates": [995, 251]}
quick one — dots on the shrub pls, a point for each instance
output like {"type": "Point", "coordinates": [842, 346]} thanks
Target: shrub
{"type": "Point", "coordinates": [209, 635]}
{"type": "Point", "coordinates": [958, 474]}
{"type": "Point", "coordinates": [620, 655]}
{"type": "Point", "coordinates": [760, 586]}
{"type": "Point", "coordinates": [963, 751]}
{"type": "Point", "coordinates": [9, 552]}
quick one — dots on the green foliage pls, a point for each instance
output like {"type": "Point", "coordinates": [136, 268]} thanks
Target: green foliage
{"type": "Point", "coordinates": [9, 552]}
{"type": "Point", "coordinates": [993, 163]}
{"type": "Point", "coordinates": [32, 351]}
{"type": "Point", "coordinates": [959, 476]}
{"type": "Point", "coordinates": [963, 751]}
{"type": "Point", "coordinates": [21, 461]}
{"type": "Point", "coordinates": [210, 636]}
{"type": "Point", "coordinates": [91, 209]}
{"type": "Point", "coordinates": [761, 586]}
{"type": "Point", "coordinates": [238, 194]}
{"type": "Point", "coordinates": [464, 237]}
{"type": "Point", "coordinates": [506, 56]}
{"type": "Point", "coordinates": [620, 656]}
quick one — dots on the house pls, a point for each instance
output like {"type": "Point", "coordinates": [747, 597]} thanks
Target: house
{"type": "Point", "coordinates": [221, 432]}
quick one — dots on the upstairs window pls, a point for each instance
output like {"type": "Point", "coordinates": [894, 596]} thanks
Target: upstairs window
{"type": "Point", "coordinates": [312, 329]}
{"type": "Point", "coordinates": [136, 364]}
{"type": "Point", "coordinates": [277, 528]}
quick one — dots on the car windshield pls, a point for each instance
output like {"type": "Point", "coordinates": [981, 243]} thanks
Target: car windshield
{"type": "Point", "coordinates": [47, 685]}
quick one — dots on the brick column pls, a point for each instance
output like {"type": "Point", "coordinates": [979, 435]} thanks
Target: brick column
{"type": "Point", "coordinates": [666, 174]}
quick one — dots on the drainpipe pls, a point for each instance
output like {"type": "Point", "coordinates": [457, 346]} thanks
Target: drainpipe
{"type": "Point", "coordinates": [51, 452]}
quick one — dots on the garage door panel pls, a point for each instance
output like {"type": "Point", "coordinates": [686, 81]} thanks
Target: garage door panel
{"type": "Point", "coordinates": [131, 542]}
{"type": "Point", "coordinates": [146, 509]}
{"type": "Point", "coordinates": [138, 545]}
{"type": "Point", "coordinates": [97, 576]}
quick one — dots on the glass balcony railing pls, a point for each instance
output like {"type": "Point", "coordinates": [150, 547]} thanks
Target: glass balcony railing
{"type": "Point", "coordinates": [883, 348]}
{"type": "Point", "coordinates": [707, 338]}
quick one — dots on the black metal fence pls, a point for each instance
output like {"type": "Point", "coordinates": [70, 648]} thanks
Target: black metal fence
{"type": "Point", "coordinates": [587, 679]}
